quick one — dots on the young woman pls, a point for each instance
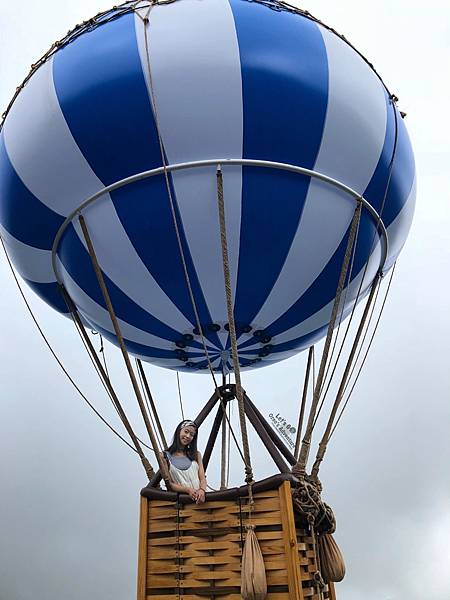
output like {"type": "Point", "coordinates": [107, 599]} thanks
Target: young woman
{"type": "Point", "coordinates": [185, 463]}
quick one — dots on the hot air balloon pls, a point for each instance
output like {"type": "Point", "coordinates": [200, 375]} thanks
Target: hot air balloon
{"type": "Point", "coordinates": [212, 186]}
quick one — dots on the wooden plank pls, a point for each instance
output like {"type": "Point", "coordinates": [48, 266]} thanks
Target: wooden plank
{"type": "Point", "coordinates": [261, 521]}
{"type": "Point", "coordinates": [222, 517]}
{"type": "Point", "coordinates": [191, 553]}
{"type": "Point", "coordinates": [191, 526]}
{"type": "Point", "coordinates": [208, 575]}
{"type": "Point", "coordinates": [142, 551]}
{"type": "Point", "coordinates": [167, 514]}
{"type": "Point", "coordinates": [230, 537]}
{"type": "Point", "coordinates": [162, 582]}
{"type": "Point", "coordinates": [290, 541]}
{"type": "Point", "coordinates": [231, 596]}
{"type": "Point", "coordinates": [267, 504]}
{"type": "Point", "coordinates": [277, 577]}
{"type": "Point", "coordinates": [189, 539]}
{"type": "Point", "coordinates": [162, 503]}
{"type": "Point", "coordinates": [215, 545]}
{"type": "Point", "coordinates": [212, 560]}
{"type": "Point", "coordinates": [156, 553]}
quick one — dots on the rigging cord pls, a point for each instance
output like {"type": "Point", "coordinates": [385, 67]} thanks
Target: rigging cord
{"type": "Point", "coordinates": [303, 402]}
{"type": "Point", "coordinates": [103, 376]}
{"type": "Point", "coordinates": [106, 382]}
{"type": "Point", "coordinates": [90, 356]}
{"type": "Point", "coordinates": [179, 395]}
{"type": "Point", "coordinates": [349, 367]}
{"type": "Point", "coordinates": [161, 445]}
{"type": "Point", "coordinates": [341, 314]}
{"type": "Point", "coordinates": [145, 21]}
{"type": "Point", "coordinates": [313, 369]}
{"type": "Point", "coordinates": [324, 440]}
{"type": "Point", "coordinates": [149, 397]}
{"type": "Point", "coordinates": [299, 469]}
{"type": "Point", "coordinates": [103, 353]}
{"type": "Point", "coordinates": [100, 280]}
{"type": "Point", "coordinates": [378, 221]}
{"type": "Point", "coordinates": [55, 356]}
{"type": "Point", "coordinates": [372, 311]}
{"type": "Point", "coordinates": [365, 355]}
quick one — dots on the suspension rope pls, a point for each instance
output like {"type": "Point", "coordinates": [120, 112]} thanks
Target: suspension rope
{"type": "Point", "coordinates": [299, 468]}
{"type": "Point", "coordinates": [377, 226]}
{"type": "Point", "coordinates": [98, 272]}
{"type": "Point", "coordinates": [144, 386]}
{"type": "Point", "coordinates": [232, 331]}
{"type": "Point", "coordinates": [78, 326]}
{"type": "Point", "coordinates": [55, 356]}
{"type": "Point", "coordinates": [179, 396]}
{"type": "Point", "coordinates": [313, 370]}
{"type": "Point", "coordinates": [153, 409]}
{"type": "Point", "coordinates": [365, 355]}
{"type": "Point", "coordinates": [303, 402]}
{"type": "Point", "coordinates": [106, 381]}
{"type": "Point", "coordinates": [103, 353]}
{"type": "Point", "coordinates": [99, 369]}
{"type": "Point", "coordinates": [341, 315]}
{"type": "Point", "coordinates": [324, 441]}
{"type": "Point", "coordinates": [145, 20]}
{"type": "Point", "coordinates": [101, 350]}
{"type": "Point", "coordinates": [369, 320]}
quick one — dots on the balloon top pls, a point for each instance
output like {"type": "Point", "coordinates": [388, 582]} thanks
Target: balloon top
{"type": "Point", "coordinates": [146, 87]}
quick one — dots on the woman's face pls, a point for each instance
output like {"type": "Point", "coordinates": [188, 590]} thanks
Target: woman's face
{"type": "Point", "coordinates": [187, 434]}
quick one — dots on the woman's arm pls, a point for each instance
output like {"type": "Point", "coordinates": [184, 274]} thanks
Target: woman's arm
{"type": "Point", "coordinates": [177, 487]}
{"type": "Point", "coordinates": [202, 479]}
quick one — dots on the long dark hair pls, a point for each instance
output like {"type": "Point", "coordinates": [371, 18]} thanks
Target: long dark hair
{"type": "Point", "coordinates": [176, 446]}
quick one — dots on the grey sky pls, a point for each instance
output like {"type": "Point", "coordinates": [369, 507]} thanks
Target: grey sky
{"type": "Point", "coordinates": [70, 490]}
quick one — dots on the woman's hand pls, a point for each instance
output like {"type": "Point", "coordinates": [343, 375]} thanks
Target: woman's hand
{"type": "Point", "coordinates": [200, 496]}
{"type": "Point", "coordinates": [192, 494]}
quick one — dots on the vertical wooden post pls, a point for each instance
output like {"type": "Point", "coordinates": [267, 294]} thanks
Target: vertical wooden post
{"type": "Point", "coordinates": [331, 591]}
{"type": "Point", "coordinates": [142, 551]}
{"type": "Point", "coordinates": [290, 542]}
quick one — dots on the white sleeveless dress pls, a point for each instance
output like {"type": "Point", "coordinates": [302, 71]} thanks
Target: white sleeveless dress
{"type": "Point", "coordinates": [186, 476]}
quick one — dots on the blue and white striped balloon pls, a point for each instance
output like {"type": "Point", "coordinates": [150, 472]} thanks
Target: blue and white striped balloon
{"type": "Point", "coordinates": [230, 79]}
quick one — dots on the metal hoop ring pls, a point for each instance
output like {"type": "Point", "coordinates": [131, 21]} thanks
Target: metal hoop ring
{"type": "Point", "coordinates": [224, 162]}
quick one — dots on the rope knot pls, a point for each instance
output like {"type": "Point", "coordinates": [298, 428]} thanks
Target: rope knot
{"type": "Point", "coordinates": [318, 580]}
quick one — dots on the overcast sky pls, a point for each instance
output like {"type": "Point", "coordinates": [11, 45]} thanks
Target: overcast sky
{"type": "Point", "coordinates": [69, 491]}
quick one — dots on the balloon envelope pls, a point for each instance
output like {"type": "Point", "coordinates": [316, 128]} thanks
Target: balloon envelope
{"type": "Point", "coordinates": [222, 79]}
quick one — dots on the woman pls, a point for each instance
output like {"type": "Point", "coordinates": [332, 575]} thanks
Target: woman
{"type": "Point", "coordinates": [186, 471]}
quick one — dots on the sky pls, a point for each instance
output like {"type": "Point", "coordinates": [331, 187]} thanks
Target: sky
{"type": "Point", "coordinates": [69, 496]}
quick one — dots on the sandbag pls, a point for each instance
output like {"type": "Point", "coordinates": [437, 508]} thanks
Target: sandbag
{"type": "Point", "coordinates": [253, 572]}
{"type": "Point", "coordinates": [332, 564]}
